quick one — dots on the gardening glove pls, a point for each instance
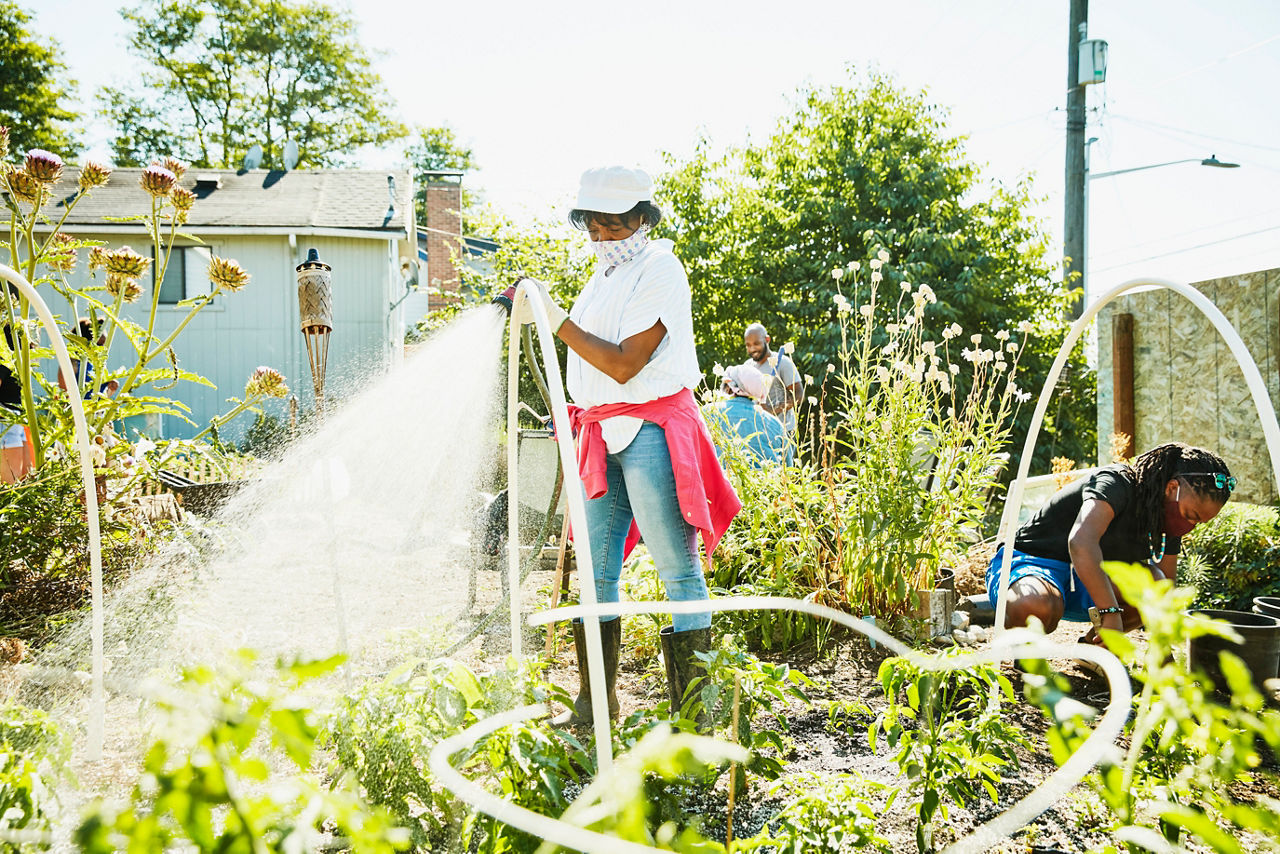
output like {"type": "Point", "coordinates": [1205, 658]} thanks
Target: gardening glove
{"type": "Point", "coordinates": [555, 313]}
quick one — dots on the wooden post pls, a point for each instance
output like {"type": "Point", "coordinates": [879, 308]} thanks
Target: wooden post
{"type": "Point", "coordinates": [1122, 379]}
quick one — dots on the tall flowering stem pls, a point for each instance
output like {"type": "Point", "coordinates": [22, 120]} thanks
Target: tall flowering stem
{"type": "Point", "coordinates": [32, 184]}
{"type": "Point", "coordinates": [919, 425]}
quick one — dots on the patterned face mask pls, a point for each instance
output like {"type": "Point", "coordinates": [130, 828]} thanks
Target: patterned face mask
{"type": "Point", "coordinates": [615, 252]}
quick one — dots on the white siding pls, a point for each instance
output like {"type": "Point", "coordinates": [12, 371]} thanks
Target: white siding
{"type": "Point", "coordinates": [259, 326]}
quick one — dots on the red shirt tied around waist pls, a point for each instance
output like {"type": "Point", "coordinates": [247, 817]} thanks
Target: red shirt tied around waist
{"type": "Point", "coordinates": [707, 499]}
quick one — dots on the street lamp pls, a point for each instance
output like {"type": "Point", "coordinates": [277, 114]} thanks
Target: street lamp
{"type": "Point", "coordinates": [1211, 160]}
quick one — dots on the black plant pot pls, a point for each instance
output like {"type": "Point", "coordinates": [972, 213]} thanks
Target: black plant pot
{"type": "Point", "coordinates": [1260, 649]}
{"type": "Point", "coordinates": [1269, 605]}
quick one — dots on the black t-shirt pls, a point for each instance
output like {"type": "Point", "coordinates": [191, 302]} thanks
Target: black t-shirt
{"type": "Point", "coordinates": [1045, 534]}
{"type": "Point", "coordinates": [10, 391]}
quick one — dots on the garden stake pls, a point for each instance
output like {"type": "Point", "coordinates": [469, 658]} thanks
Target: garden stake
{"type": "Point", "coordinates": [558, 583]}
{"type": "Point", "coordinates": [733, 766]}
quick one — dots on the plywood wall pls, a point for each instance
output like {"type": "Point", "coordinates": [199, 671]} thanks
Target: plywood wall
{"type": "Point", "coordinates": [1187, 384]}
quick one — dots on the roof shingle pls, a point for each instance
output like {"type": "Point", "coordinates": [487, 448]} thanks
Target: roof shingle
{"type": "Point", "coordinates": [305, 198]}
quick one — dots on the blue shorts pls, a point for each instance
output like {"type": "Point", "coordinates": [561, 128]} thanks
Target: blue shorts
{"type": "Point", "coordinates": [1075, 599]}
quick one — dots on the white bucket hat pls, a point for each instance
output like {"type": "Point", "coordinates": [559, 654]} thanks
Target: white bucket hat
{"type": "Point", "coordinates": [613, 189]}
{"type": "Point", "coordinates": [745, 380]}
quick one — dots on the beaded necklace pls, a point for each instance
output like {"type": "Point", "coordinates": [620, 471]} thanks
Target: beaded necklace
{"type": "Point", "coordinates": [1151, 549]}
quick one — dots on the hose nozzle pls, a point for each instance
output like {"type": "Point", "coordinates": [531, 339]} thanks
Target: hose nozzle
{"type": "Point", "coordinates": [506, 298]}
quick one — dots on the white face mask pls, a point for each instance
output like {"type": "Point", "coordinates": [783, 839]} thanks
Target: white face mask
{"type": "Point", "coordinates": [615, 252]}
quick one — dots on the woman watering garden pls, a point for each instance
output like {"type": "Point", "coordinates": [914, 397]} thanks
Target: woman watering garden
{"type": "Point", "coordinates": [1135, 514]}
{"type": "Point", "coordinates": [645, 455]}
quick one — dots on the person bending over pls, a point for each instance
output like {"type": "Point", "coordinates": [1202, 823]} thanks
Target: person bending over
{"type": "Point", "coordinates": [1134, 514]}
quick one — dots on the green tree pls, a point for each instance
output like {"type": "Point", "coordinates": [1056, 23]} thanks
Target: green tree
{"type": "Point", "coordinates": [33, 89]}
{"type": "Point", "coordinates": [225, 75]}
{"type": "Point", "coordinates": [855, 169]}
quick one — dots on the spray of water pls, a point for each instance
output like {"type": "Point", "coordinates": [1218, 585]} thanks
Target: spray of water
{"type": "Point", "coordinates": [355, 542]}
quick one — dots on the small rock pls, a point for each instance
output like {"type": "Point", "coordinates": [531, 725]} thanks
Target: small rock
{"type": "Point", "coordinates": [961, 636]}
{"type": "Point", "coordinates": [959, 620]}
{"type": "Point", "coordinates": [979, 634]}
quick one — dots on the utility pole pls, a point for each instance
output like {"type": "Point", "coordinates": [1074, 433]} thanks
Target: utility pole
{"type": "Point", "coordinates": [1073, 229]}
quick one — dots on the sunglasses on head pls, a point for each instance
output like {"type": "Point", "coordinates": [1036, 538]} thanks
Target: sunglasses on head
{"type": "Point", "coordinates": [1220, 480]}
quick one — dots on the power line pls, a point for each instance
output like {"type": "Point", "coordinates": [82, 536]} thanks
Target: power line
{"type": "Point", "coordinates": [1195, 134]}
{"type": "Point", "coordinates": [1224, 58]}
{"type": "Point", "coordinates": [1190, 231]}
{"type": "Point", "coordinates": [1189, 248]}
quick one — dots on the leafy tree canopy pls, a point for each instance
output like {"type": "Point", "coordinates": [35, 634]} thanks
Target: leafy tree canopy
{"type": "Point", "coordinates": [225, 75]}
{"type": "Point", "coordinates": [33, 91]}
{"type": "Point", "coordinates": [855, 169]}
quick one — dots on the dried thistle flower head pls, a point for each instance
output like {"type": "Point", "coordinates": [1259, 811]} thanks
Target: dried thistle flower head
{"type": "Point", "coordinates": [182, 198]}
{"type": "Point", "coordinates": [93, 174]}
{"type": "Point", "coordinates": [1062, 471]}
{"type": "Point", "coordinates": [120, 285]}
{"type": "Point", "coordinates": [266, 382]}
{"type": "Point", "coordinates": [44, 166]}
{"type": "Point", "coordinates": [98, 258]}
{"type": "Point", "coordinates": [4, 142]}
{"type": "Point", "coordinates": [174, 165]}
{"type": "Point", "coordinates": [157, 180]}
{"type": "Point", "coordinates": [227, 273]}
{"type": "Point", "coordinates": [125, 262]}
{"type": "Point", "coordinates": [26, 188]}
{"type": "Point", "coordinates": [62, 254]}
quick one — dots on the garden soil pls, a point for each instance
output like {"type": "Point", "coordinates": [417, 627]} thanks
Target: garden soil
{"type": "Point", "coordinates": [849, 670]}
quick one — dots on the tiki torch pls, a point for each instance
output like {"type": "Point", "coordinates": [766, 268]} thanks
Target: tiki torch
{"type": "Point", "coordinates": [315, 310]}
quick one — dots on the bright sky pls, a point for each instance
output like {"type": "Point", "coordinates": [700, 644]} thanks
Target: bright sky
{"type": "Point", "coordinates": [543, 90]}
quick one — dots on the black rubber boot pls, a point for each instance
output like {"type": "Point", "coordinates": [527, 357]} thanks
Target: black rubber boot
{"type": "Point", "coordinates": [683, 666]}
{"type": "Point", "coordinates": [610, 639]}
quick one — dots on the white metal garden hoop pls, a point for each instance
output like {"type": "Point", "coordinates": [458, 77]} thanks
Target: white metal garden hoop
{"type": "Point", "coordinates": [1016, 644]}
{"type": "Point", "coordinates": [1252, 376]}
{"type": "Point", "coordinates": [97, 705]}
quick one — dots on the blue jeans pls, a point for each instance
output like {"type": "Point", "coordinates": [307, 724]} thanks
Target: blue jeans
{"type": "Point", "coordinates": [642, 486]}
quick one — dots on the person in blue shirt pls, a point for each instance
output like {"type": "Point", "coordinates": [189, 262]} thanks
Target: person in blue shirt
{"type": "Point", "coordinates": [763, 436]}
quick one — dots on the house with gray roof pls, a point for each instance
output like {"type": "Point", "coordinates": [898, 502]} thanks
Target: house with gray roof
{"type": "Point", "coordinates": [360, 221]}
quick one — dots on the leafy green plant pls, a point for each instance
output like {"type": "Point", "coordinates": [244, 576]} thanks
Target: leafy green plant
{"type": "Point", "coordinates": [383, 733]}
{"type": "Point", "coordinates": [950, 736]}
{"type": "Point", "coordinates": [825, 812]}
{"type": "Point", "coordinates": [1234, 557]}
{"type": "Point", "coordinates": [619, 804]}
{"type": "Point", "coordinates": [201, 789]}
{"type": "Point", "coordinates": [44, 537]}
{"type": "Point", "coordinates": [34, 753]}
{"type": "Point", "coordinates": [1187, 752]}
{"type": "Point", "coordinates": [760, 690]}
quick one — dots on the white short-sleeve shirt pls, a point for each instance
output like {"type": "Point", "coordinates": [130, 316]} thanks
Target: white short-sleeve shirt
{"type": "Point", "coordinates": [650, 287]}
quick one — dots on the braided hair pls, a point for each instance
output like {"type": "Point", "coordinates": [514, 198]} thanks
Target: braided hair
{"type": "Point", "coordinates": [1154, 469]}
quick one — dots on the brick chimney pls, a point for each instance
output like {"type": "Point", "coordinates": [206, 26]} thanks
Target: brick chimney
{"type": "Point", "coordinates": [444, 233]}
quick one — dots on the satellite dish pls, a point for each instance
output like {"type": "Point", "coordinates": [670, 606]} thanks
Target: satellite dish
{"type": "Point", "coordinates": [290, 154]}
{"type": "Point", "coordinates": [253, 159]}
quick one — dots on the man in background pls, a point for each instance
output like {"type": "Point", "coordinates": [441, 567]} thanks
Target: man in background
{"type": "Point", "coordinates": [783, 388]}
